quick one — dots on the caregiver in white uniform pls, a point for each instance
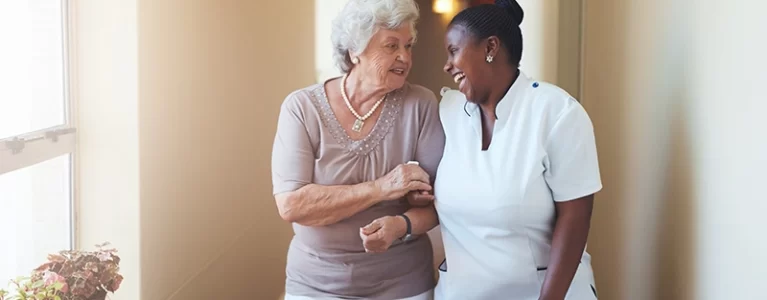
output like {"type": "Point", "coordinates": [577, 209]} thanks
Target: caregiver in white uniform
{"type": "Point", "coordinates": [514, 190]}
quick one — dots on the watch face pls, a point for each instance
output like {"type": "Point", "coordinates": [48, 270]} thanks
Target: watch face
{"type": "Point", "coordinates": [407, 238]}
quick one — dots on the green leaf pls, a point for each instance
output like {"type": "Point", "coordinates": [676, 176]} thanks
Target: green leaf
{"type": "Point", "coordinates": [58, 285]}
{"type": "Point", "coordinates": [37, 284]}
{"type": "Point", "coordinates": [56, 297]}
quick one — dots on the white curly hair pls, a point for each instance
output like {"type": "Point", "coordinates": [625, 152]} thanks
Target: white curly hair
{"type": "Point", "coordinates": [359, 20]}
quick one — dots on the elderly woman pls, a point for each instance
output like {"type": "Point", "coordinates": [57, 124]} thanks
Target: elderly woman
{"type": "Point", "coordinates": [516, 184]}
{"type": "Point", "coordinates": [353, 162]}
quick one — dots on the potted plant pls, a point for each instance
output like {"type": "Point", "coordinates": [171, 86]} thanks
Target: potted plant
{"type": "Point", "coordinates": [71, 275]}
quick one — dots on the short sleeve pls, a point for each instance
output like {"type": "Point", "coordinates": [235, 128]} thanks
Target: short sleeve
{"type": "Point", "coordinates": [431, 138]}
{"type": "Point", "coordinates": [292, 152]}
{"type": "Point", "coordinates": [572, 167]}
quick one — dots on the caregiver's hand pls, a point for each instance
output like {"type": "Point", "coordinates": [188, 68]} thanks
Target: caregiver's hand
{"type": "Point", "coordinates": [378, 236]}
{"type": "Point", "coordinates": [419, 198]}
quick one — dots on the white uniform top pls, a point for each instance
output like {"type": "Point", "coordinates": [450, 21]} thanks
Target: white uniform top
{"type": "Point", "coordinates": [496, 207]}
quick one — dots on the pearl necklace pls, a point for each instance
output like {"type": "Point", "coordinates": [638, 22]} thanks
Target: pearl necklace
{"type": "Point", "coordinates": [360, 122]}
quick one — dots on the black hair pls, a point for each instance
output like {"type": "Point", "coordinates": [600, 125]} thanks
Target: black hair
{"type": "Point", "coordinates": [501, 20]}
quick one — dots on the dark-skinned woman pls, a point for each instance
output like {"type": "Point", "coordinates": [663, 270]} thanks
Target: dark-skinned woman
{"type": "Point", "coordinates": [515, 186]}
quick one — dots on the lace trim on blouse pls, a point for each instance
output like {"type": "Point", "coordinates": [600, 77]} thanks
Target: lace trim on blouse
{"type": "Point", "coordinates": [363, 146]}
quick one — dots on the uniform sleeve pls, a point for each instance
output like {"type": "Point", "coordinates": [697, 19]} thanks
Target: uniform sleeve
{"type": "Point", "coordinates": [292, 152]}
{"type": "Point", "coordinates": [431, 139]}
{"type": "Point", "coordinates": [572, 167]}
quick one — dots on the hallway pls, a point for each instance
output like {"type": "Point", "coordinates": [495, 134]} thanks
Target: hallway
{"type": "Point", "coordinates": [175, 106]}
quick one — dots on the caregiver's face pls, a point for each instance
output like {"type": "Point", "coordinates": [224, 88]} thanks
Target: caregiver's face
{"type": "Point", "coordinates": [466, 63]}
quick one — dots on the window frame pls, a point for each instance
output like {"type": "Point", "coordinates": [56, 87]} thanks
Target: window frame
{"type": "Point", "coordinates": [31, 148]}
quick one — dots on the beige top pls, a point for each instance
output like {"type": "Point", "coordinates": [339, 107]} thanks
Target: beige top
{"type": "Point", "coordinates": [311, 147]}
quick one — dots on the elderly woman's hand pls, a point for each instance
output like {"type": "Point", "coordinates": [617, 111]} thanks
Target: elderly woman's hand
{"type": "Point", "coordinates": [403, 179]}
{"type": "Point", "coordinates": [378, 236]}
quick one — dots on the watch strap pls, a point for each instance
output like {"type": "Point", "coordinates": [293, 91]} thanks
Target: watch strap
{"type": "Point", "coordinates": [409, 228]}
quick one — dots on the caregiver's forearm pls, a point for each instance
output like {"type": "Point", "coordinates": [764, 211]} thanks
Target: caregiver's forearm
{"type": "Point", "coordinates": [422, 219]}
{"type": "Point", "coordinates": [568, 243]}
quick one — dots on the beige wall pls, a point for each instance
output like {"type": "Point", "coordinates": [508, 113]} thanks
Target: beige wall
{"type": "Point", "coordinates": [180, 98]}
{"type": "Point", "coordinates": [671, 89]}
{"type": "Point", "coordinates": [212, 75]}
{"type": "Point", "coordinates": [540, 32]}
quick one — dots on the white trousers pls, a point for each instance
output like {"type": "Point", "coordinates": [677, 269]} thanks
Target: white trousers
{"type": "Point", "coordinates": [428, 295]}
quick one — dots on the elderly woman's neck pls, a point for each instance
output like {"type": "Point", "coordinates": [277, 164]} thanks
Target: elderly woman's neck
{"type": "Point", "coordinates": [361, 90]}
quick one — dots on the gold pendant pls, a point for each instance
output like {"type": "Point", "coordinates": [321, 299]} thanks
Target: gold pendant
{"type": "Point", "coordinates": [357, 127]}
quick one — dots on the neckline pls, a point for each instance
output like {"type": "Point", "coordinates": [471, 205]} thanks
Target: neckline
{"type": "Point", "coordinates": [502, 110]}
{"type": "Point", "coordinates": [504, 105]}
{"type": "Point", "coordinates": [367, 143]}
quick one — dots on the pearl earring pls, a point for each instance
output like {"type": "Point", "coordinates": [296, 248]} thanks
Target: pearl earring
{"type": "Point", "coordinates": [355, 60]}
{"type": "Point", "coordinates": [489, 58]}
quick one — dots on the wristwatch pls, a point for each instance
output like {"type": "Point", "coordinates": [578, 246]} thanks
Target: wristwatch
{"type": "Point", "coordinates": [408, 233]}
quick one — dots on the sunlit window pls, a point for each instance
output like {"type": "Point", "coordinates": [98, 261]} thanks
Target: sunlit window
{"type": "Point", "coordinates": [36, 135]}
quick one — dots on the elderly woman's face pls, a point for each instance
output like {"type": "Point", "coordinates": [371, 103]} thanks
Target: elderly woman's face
{"type": "Point", "coordinates": [386, 60]}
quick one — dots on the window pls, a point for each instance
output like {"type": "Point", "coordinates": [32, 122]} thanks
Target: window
{"type": "Point", "coordinates": [37, 136]}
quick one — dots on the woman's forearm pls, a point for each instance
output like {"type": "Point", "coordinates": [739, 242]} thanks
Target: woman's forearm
{"type": "Point", "coordinates": [379, 235]}
{"type": "Point", "coordinates": [318, 205]}
{"type": "Point", "coordinates": [568, 242]}
{"type": "Point", "coordinates": [422, 219]}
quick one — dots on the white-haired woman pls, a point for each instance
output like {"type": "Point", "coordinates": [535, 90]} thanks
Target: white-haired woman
{"type": "Point", "coordinates": [341, 171]}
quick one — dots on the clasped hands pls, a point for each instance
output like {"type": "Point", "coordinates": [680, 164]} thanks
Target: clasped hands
{"type": "Point", "coordinates": [406, 180]}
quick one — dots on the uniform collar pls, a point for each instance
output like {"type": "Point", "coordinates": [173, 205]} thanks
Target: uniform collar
{"type": "Point", "coordinates": [517, 90]}
{"type": "Point", "coordinates": [503, 109]}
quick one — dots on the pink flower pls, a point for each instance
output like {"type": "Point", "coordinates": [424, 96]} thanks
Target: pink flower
{"type": "Point", "coordinates": [104, 256]}
{"type": "Point", "coordinates": [51, 278]}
